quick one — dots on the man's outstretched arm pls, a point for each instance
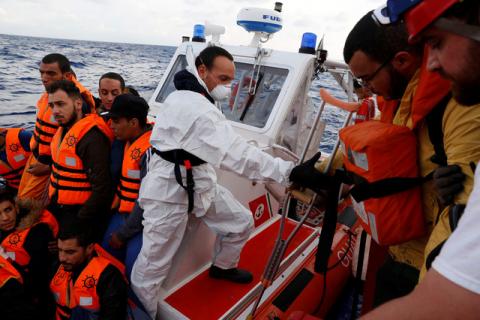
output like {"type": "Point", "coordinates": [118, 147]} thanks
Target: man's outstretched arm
{"type": "Point", "coordinates": [435, 297]}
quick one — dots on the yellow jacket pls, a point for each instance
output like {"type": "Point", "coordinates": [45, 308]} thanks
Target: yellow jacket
{"type": "Point", "coordinates": [461, 133]}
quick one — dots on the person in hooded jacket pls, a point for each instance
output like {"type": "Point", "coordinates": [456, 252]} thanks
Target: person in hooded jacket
{"type": "Point", "coordinates": [191, 137]}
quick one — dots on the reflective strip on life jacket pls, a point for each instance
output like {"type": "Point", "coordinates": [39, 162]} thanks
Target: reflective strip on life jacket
{"type": "Point", "coordinates": [7, 272]}
{"type": "Point", "coordinates": [129, 184]}
{"type": "Point", "coordinates": [69, 178]}
{"type": "Point", "coordinates": [17, 157]}
{"type": "Point", "coordinates": [384, 156]}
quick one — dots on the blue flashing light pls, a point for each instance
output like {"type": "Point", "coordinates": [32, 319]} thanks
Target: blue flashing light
{"type": "Point", "coordinates": [198, 33]}
{"type": "Point", "coordinates": [309, 42]}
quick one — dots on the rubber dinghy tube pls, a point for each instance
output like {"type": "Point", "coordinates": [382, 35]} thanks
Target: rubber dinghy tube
{"type": "Point", "coordinates": [347, 106]}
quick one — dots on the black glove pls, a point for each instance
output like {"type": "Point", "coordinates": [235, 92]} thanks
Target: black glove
{"type": "Point", "coordinates": [448, 182]}
{"type": "Point", "coordinates": [305, 175]}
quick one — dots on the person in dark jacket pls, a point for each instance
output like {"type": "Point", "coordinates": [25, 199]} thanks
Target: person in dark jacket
{"type": "Point", "coordinates": [128, 121]}
{"type": "Point", "coordinates": [25, 232]}
{"type": "Point", "coordinates": [80, 182]}
{"type": "Point", "coordinates": [14, 302]}
{"type": "Point", "coordinates": [97, 288]}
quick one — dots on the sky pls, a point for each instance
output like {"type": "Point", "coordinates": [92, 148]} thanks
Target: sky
{"type": "Point", "coordinates": [164, 22]}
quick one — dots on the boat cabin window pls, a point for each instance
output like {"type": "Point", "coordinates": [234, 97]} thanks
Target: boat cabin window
{"type": "Point", "coordinates": [252, 109]}
{"type": "Point", "coordinates": [168, 87]}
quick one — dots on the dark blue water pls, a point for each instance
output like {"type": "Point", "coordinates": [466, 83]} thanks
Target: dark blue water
{"type": "Point", "coordinates": [141, 65]}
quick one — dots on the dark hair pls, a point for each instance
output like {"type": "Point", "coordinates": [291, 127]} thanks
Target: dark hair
{"type": "Point", "coordinates": [467, 10]}
{"type": "Point", "coordinates": [379, 42]}
{"type": "Point", "coordinates": [208, 55]}
{"type": "Point", "coordinates": [72, 227]}
{"type": "Point", "coordinates": [132, 90]}
{"type": "Point", "coordinates": [62, 61]}
{"type": "Point", "coordinates": [7, 195]}
{"type": "Point", "coordinates": [65, 85]}
{"type": "Point", "coordinates": [142, 121]}
{"type": "Point", "coordinates": [130, 106]}
{"type": "Point", "coordinates": [113, 76]}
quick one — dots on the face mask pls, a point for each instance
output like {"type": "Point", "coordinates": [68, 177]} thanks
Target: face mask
{"type": "Point", "coordinates": [220, 92]}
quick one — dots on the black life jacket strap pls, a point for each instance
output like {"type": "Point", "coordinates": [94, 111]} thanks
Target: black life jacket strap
{"type": "Point", "coordinates": [178, 156]}
{"type": "Point", "coordinates": [386, 187]}
{"type": "Point", "coordinates": [329, 225]}
{"type": "Point", "coordinates": [47, 124]}
{"type": "Point", "coordinates": [454, 216]}
{"type": "Point", "coordinates": [434, 122]}
{"type": "Point", "coordinates": [182, 158]}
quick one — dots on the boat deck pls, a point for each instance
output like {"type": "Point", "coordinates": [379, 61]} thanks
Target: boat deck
{"type": "Point", "coordinates": [207, 298]}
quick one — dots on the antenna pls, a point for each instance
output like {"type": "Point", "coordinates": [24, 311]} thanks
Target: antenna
{"type": "Point", "coordinates": [215, 31]}
{"type": "Point", "coordinates": [262, 22]}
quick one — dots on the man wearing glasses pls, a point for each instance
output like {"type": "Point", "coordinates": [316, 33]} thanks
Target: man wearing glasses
{"type": "Point", "coordinates": [451, 288]}
{"type": "Point", "coordinates": [381, 57]}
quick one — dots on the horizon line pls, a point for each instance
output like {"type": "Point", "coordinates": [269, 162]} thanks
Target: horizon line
{"type": "Point", "coordinates": [85, 40]}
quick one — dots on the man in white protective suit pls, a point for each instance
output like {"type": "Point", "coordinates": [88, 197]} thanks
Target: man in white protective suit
{"type": "Point", "coordinates": [190, 138]}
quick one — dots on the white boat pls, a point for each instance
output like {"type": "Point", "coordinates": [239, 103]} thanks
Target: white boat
{"type": "Point", "coordinates": [271, 108]}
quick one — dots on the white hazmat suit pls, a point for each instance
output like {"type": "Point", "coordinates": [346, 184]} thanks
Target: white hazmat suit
{"type": "Point", "coordinates": [188, 121]}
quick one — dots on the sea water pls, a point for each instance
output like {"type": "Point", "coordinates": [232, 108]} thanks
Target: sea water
{"type": "Point", "coordinates": [142, 66]}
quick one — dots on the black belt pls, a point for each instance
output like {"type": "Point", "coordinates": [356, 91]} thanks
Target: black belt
{"type": "Point", "coordinates": [181, 157]}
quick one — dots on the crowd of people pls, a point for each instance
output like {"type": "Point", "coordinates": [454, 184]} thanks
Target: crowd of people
{"type": "Point", "coordinates": [71, 224]}
{"type": "Point", "coordinates": [421, 58]}
{"type": "Point", "coordinates": [62, 188]}
{"type": "Point", "coordinates": [97, 198]}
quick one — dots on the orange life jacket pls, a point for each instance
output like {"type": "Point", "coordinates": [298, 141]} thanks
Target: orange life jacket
{"type": "Point", "coordinates": [83, 292]}
{"type": "Point", "coordinates": [17, 156]}
{"type": "Point", "coordinates": [366, 111]}
{"type": "Point", "coordinates": [45, 128]}
{"type": "Point", "coordinates": [69, 178]}
{"type": "Point", "coordinates": [387, 109]}
{"type": "Point", "coordinates": [384, 156]}
{"type": "Point", "coordinates": [129, 186]}
{"type": "Point", "coordinates": [108, 123]}
{"type": "Point", "coordinates": [85, 93]}
{"type": "Point", "coordinates": [379, 152]}
{"type": "Point", "coordinates": [14, 243]}
{"type": "Point", "coordinates": [48, 218]}
{"type": "Point", "coordinates": [431, 90]}
{"type": "Point", "coordinates": [8, 271]}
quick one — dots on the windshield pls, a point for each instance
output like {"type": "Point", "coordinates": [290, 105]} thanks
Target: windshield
{"type": "Point", "coordinates": [251, 109]}
{"type": "Point", "coordinates": [254, 109]}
